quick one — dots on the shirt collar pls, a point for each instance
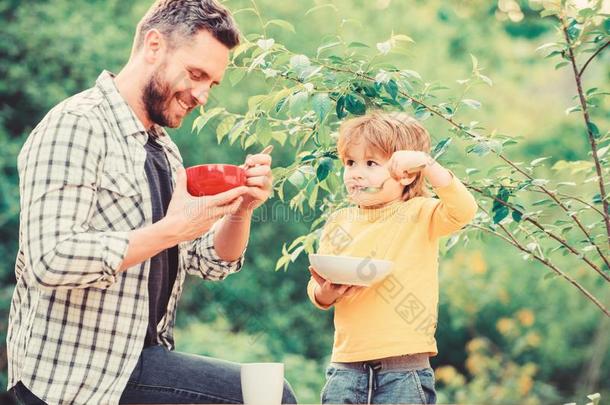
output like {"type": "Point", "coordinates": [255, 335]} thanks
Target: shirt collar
{"type": "Point", "coordinates": [128, 122]}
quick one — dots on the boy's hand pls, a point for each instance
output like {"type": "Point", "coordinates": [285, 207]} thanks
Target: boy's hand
{"type": "Point", "coordinates": [328, 293]}
{"type": "Point", "coordinates": [404, 163]}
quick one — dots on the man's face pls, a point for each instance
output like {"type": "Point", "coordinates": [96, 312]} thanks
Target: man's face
{"type": "Point", "coordinates": [184, 78]}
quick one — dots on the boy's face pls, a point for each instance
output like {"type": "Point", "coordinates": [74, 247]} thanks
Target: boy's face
{"type": "Point", "coordinates": [366, 168]}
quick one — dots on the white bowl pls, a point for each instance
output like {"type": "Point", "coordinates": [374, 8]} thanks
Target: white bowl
{"type": "Point", "coordinates": [362, 271]}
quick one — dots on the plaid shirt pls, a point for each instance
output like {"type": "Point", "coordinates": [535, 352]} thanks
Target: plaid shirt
{"type": "Point", "coordinates": [77, 325]}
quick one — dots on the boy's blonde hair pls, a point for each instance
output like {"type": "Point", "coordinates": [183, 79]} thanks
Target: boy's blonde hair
{"type": "Point", "coordinates": [386, 133]}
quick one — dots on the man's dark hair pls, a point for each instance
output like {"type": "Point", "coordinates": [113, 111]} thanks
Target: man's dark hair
{"type": "Point", "coordinates": [182, 19]}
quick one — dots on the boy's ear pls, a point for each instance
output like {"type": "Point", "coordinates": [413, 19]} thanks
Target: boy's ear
{"type": "Point", "coordinates": [405, 181]}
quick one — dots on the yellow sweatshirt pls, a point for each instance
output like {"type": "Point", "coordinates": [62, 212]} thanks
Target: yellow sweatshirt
{"type": "Point", "coordinates": [398, 315]}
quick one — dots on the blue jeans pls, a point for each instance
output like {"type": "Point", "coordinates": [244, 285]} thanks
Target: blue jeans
{"type": "Point", "coordinates": [349, 386]}
{"type": "Point", "coordinates": [162, 376]}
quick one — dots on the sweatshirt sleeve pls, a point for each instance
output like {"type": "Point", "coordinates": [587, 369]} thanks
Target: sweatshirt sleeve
{"type": "Point", "coordinates": [454, 208]}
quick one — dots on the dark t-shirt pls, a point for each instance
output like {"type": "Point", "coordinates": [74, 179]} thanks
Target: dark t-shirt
{"type": "Point", "coordinates": [163, 266]}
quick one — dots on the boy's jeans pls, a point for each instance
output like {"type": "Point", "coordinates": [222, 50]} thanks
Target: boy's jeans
{"type": "Point", "coordinates": [373, 386]}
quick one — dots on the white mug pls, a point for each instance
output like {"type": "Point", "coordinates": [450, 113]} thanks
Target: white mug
{"type": "Point", "coordinates": [262, 383]}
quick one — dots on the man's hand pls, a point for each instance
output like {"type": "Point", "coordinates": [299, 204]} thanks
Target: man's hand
{"type": "Point", "coordinates": [327, 293]}
{"type": "Point", "coordinates": [259, 181]}
{"type": "Point", "coordinates": [191, 217]}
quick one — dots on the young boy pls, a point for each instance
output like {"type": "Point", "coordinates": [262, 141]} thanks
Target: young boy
{"type": "Point", "coordinates": [384, 334]}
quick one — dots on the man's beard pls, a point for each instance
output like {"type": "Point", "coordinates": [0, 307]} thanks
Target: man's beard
{"type": "Point", "coordinates": [156, 99]}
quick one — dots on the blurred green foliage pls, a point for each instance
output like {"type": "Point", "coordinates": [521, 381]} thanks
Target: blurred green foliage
{"type": "Point", "coordinates": [506, 334]}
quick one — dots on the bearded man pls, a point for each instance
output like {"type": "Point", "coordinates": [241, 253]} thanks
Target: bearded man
{"type": "Point", "coordinates": [108, 231]}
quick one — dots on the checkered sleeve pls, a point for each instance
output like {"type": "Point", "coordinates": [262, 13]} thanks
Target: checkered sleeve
{"type": "Point", "coordinates": [204, 262]}
{"type": "Point", "coordinates": [58, 169]}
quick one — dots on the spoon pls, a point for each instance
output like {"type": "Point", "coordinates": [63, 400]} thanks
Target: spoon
{"type": "Point", "coordinates": [376, 189]}
{"type": "Point", "coordinates": [268, 149]}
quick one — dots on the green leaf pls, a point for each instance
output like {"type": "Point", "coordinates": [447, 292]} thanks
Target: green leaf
{"type": "Point", "coordinates": [440, 148]}
{"type": "Point", "coordinates": [282, 24]}
{"type": "Point", "coordinates": [384, 47]}
{"type": "Point", "coordinates": [324, 168]}
{"type": "Point", "coordinates": [586, 12]}
{"type": "Point", "coordinates": [475, 62]}
{"type": "Point", "coordinates": [313, 196]}
{"type": "Point", "coordinates": [298, 103]}
{"type": "Point", "coordinates": [236, 75]}
{"type": "Point", "coordinates": [358, 45]}
{"type": "Point", "coordinates": [410, 74]}
{"type": "Point", "coordinates": [421, 114]}
{"type": "Point", "coordinates": [499, 210]}
{"type": "Point", "coordinates": [593, 129]}
{"type": "Point", "coordinates": [202, 120]}
{"type": "Point", "coordinates": [237, 130]}
{"type": "Point", "coordinates": [340, 108]}
{"type": "Point", "coordinates": [255, 101]}
{"type": "Point", "coordinates": [325, 47]}
{"type": "Point", "coordinates": [265, 44]}
{"type": "Point", "coordinates": [355, 104]}
{"type": "Point", "coordinates": [392, 88]}
{"type": "Point", "coordinates": [550, 275]}
{"type": "Point", "coordinates": [486, 80]}
{"type": "Point", "coordinates": [499, 213]}
{"type": "Point", "coordinates": [321, 104]}
{"type": "Point", "coordinates": [549, 12]}
{"type": "Point", "coordinates": [452, 241]}
{"type": "Point", "coordinates": [560, 65]}
{"type": "Point", "coordinates": [574, 30]}
{"type": "Point", "coordinates": [250, 140]}
{"type": "Point", "coordinates": [402, 37]}
{"type": "Point", "coordinates": [536, 162]}
{"type": "Point", "coordinates": [297, 179]}
{"type": "Point", "coordinates": [224, 127]}
{"type": "Point", "coordinates": [517, 215]}
{"type": "Point", "coordinates": [540, 182]}
{"type": "Point", "coordinates": [474, 104]}
{"type": "Point", "coordinates": [263, 131]}
{"type": "Point", "coordinates": [320, 7]}
{"type": "Point", "coordinates": [547, 45]}
{"type": "Point", "coordinates": [575, 166]}
{"type": "Point", "coordinates": [282, 262]}
{"type": "Point", "coordinates": [481, 148]}
{"type": "Point", "coordinates": [299, 62]}
{"type": "Point", "coordinates": [572, 109]}
{"type": "Point", "coordinates": [280, 137]}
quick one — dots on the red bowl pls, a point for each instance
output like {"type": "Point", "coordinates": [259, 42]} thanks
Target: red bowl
{"type": "Point", "coordinates": [213, 179]}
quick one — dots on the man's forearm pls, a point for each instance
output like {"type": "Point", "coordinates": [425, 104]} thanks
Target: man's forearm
{"type": "Point", "coordinates": [232, 233]}
{"type": "Point", "coordinates": [146, 242]}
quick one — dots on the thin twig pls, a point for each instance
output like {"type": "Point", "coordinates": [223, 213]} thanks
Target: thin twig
{"type": "Point", "coordinates": [543, 229]}
{"type": "Point", "coordinates": [550, 265]}
{"type": "Point", "coordinates": [582, 70]}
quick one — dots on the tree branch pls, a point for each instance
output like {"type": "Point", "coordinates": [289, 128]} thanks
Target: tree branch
{"type": "Point", "coordinates": [585, 112]}
{"type": "Point", "coordinates": [500, 155]}
{"type": "Point", "coordinates": [550, 265]}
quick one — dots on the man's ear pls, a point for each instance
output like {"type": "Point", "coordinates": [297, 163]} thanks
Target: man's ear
{"type": "Point", "coordinates": [405, 181]}
{"type": "Point", "coordinates": [153, 45]}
